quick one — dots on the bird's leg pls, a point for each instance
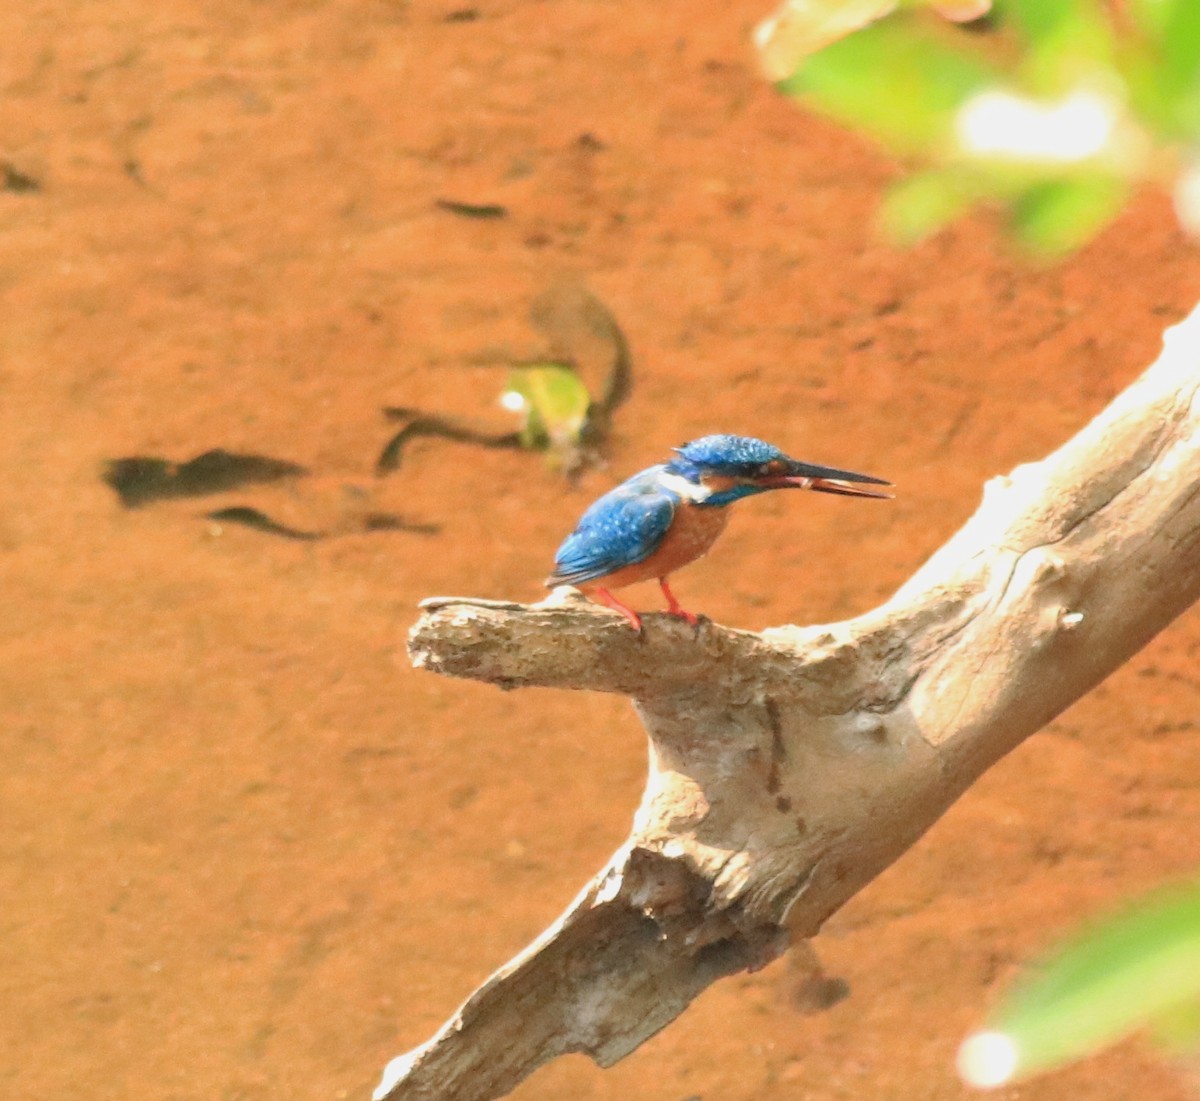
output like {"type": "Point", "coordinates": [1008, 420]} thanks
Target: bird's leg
{"type": "Point", "coordinates": [606, 598]}
{"type": "Point", "coordinates": [674, 607]}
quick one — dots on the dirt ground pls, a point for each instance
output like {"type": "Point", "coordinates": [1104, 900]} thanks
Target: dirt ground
{"type": "Point", "coordinates": [245, 851]}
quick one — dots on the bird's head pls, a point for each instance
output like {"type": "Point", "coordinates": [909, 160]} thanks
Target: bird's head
{"type": "Point", "coordinates": [731, 467]}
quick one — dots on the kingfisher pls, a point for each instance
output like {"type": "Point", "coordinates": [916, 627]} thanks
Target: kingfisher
{"type": "Point", "coordinates": [671, 514]}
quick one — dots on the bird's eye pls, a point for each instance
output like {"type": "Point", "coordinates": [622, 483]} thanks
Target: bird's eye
{"type": "Point", "coordinates": [768, 469]}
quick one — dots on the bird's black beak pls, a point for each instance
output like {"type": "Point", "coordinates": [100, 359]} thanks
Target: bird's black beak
{"type": "Point", "coordinates": [824, 479]}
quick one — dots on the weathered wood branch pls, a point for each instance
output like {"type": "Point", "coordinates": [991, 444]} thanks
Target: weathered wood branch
{"type": "Point", "coordinates": [789, 768]}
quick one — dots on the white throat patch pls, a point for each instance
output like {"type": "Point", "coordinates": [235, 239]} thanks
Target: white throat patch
{"type": "Point", "coordinates": [680, 486]}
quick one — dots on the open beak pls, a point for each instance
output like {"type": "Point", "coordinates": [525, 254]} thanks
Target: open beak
{"type": "Point", "coordinates": [826, 479]}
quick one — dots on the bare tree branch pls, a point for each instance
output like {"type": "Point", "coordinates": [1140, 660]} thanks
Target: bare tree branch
{"type": "Point", "coordinates": [789, 768]}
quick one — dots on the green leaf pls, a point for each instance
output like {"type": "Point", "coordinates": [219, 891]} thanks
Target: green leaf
{"type": "Point", "coordinates": [896, 79]}
{"type": "Point", "coordinates": [1135, 970]}
{"type": "Point", "coordinates": [1162, 66]}
{"type": "Point", "coordinates": [553, 402]}
{"type": "Point", "coordinates": [917, 207]}
{"type": "Point", "coordinates": [1180, 46]}
{"type": "Point", "coordinates": [1182, 39]}
{"type": "Point", "coordinates": [1177, 1031]}
{"type": "Point", "coordinates": [1153, 16]}
{"type": "Point", "coordinates": [1056, 216]}
{"type": "Point", "coordinates": [1042, 21]}
{"type": "Point", "coordinates": [1174, 25]}
{"type": "Point", "coordinates": [1067, 42]}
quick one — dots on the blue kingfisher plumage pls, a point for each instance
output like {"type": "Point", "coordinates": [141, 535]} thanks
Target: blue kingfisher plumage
{"type": "Point", "coordinates": [671, 514]}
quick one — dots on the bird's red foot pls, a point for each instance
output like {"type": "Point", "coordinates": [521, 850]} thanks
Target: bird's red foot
{"type": "Point", "coordinates": [609, 601]}
{"type": "Point", "coordinates": [675, 608]}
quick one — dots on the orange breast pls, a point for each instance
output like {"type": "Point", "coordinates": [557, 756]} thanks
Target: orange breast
{"type": "Point", "coordinates": [692, 533]}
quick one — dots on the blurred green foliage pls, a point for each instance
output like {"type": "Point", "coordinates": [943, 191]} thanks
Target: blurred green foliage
{"type": "Point", "coordinates": [1139, 970]}
{"type": "Point", "coordinates": [1050, 110]}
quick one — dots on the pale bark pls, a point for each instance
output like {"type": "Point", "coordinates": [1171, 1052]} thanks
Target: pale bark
{"type": "Point", "coordinates": [789, 768]}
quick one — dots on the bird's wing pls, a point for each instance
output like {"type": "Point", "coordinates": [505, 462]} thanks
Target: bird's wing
{"type": "Point", "coordinates": [624, 526]}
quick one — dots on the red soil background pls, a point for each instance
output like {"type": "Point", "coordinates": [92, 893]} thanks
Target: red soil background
{"type": "Point", "coordinates": [246, 851]}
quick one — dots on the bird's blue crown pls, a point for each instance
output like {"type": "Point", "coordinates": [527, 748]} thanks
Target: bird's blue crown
{"type": "Point", "coordinates": [722, 454]}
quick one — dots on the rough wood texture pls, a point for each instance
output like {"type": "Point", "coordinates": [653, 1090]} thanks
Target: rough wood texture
{"type": "Point", "coordinates": [789, 768]}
